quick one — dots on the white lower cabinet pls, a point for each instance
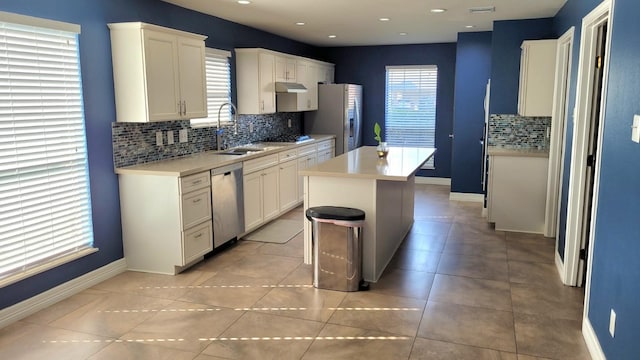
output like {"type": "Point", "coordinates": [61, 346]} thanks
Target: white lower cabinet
{"type": "Point", "coordinates": [306, 160]}
{"type": "Point", "coordinates": [261, 199]}
{"type": "Point", "coordinates": [166, 221]}
{"type": "Point", "coordinates": [288, 185]}
{"type": "Point", "coordinates": [517, 193]}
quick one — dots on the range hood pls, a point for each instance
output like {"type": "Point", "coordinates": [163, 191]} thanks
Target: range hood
{"type": "Point", "coordinates": [288, 87]}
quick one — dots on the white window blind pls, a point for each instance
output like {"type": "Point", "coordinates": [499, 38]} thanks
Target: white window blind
{"type": "Point", "coordinates": [410, 111]}
{"type": "Point", "coordinates": [45, 199]}
{"type": "Point", "coordinates": [218, 87]}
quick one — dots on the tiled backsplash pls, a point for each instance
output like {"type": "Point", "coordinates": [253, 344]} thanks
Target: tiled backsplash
{"type": "Point", "coordinates": [135, 143]}
{"type": "Point", "coordinates": [519, 132]}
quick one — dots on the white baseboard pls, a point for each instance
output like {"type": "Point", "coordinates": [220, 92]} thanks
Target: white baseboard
{"type": "Point", "coordinates": [591, 339]}
{"type": "Point", "coordinates": [560, 266]}
{"type": "Point", "coordinates": [433, 180]}
{"type": "Point", "coordinates": [34, 304]}
{"type": "Point", "coordinates": [466, 197]}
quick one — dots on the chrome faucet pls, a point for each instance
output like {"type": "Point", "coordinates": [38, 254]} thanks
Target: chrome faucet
{"type": "Point", "coordinates": [235, 124]}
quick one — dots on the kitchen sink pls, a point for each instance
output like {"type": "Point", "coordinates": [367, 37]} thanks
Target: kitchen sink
{"type": "Point", "coordinates": [241, 151]}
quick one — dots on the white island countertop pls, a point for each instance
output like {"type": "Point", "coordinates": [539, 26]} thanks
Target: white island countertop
{"type": "Point", "coordinates": [363, 162]}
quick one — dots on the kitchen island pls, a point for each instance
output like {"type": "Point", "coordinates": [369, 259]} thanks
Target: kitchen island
{"type": "Point", "coordinates": [382, 188]}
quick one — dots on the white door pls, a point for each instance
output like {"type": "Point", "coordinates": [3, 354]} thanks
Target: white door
{"type": "Point", "coordinates": [267, 89]}
{"type": "Point", "coordinates": [193, 78]}
{"type": "Point", "coordinates": [270, 197]}
{"type": "Point", "coordinates": [161, 72]}
{"type": "Point", "coordinates": [252, 184]}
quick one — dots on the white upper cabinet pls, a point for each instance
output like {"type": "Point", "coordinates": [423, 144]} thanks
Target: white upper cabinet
{"type": "Point", "coordinates": [286, 69]}
{"type": "Point", "coordinates": [255, 76]}
{"type": "Point", "coordinates": [257, 71]}
{"type": "Point", "coordinates": [325, 73]}
{"type": "Point", "coordinates": [537, 75]}
{"type": "Point", "coordinates": [158, 73]}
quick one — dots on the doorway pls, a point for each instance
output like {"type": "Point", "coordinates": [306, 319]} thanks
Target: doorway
{"type": "Point", "coordinates": [585, 154]}
{"type": "Point", "coordinates": [558, 136]}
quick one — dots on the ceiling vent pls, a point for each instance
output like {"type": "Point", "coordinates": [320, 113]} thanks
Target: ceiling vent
{"type": "Point", "coordinates": [482, 10]}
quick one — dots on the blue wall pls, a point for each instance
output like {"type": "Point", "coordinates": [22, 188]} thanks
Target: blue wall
{"type": "Point", "coordinates": [473, 69]}
{"type": "Point", "coordinates": [615, 281]}
{"type": "Point", "coordinates": [95, 54]}
{"type": "Point", "coordinates": [505, 54]}
{"type": "Point", "coordinates": [366, 66]}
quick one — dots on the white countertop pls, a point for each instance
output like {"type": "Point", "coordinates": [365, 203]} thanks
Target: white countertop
{"type": "Point", "coordinates": [193, 164]}
{"type": "Point", "coordinates": [363, 162]}
{"type": "Point", "coordinates": [503, 151]}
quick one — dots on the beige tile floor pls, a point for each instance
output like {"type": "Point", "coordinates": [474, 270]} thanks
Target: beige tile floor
{"type": "Point", "coordinates": [456, 289]}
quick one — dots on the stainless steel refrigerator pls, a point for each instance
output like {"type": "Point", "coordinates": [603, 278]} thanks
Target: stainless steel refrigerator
{"type": "Point", "coordinates": [339, 113]}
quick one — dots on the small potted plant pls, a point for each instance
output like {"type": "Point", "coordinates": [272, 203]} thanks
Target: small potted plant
{"type": "Point", "coordinates": [382, 147]}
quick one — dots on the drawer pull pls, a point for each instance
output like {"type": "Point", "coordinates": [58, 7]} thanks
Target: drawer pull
{"type": "Point", "coordinates": [198, 236]}
{"type": "Point", "coordinates": [196, 182]}
{"type": "Point", "coordinates": [195, 201]}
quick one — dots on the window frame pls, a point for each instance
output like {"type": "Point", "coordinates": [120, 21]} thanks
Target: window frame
{"type": "Point", "coordinates": [66, 132]}
{"type": "Point", "coordinates": [213, 59]}
{"type": "Point", "coordinates": [427, 78]}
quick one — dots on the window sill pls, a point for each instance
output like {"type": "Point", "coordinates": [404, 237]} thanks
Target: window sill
{"type": "Point", "coordinates": [44, 267]}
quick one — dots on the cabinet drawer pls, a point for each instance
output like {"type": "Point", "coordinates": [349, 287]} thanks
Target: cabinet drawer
{"type": "Point", "coordinates": [197, 241]}
{"type": "Point", "coordinates": [328, 144]}
{"type": "Point", "coordinates": [260, 163]}
{"type": "Point", "coordinates": [196, 208]}
{"type": "Point", "coordinates": [287, 155]}
{"type": "Point", "coordinates": [306, 150]}
{"type": "Point", "coordinates": [193, 182]}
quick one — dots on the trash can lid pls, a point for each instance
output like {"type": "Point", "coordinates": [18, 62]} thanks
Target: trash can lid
{"type": "Point", "coordinates": [335, 213]}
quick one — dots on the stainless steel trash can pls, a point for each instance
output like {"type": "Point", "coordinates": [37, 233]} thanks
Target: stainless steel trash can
{"type": "Point", "coordinates": [337, 247]}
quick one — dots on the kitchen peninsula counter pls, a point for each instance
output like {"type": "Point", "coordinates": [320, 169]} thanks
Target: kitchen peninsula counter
{"type": "Point", "coordinates": [382, 188]}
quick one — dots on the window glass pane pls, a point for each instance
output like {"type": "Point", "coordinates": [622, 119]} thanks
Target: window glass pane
{"type": "Point", "coordinates": [410, 109]}
{"type": "Point", "coordinates": [218, 88]}
{"type": "Point", "coordinates": [45, 202]}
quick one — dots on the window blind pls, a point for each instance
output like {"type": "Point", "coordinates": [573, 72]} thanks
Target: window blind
{"type": "Point", "coordinates": [45, 203]}
{"type": "Point", "coordinates": [218, 87]}
{"type": "Point", "coordinates": [410, 110]}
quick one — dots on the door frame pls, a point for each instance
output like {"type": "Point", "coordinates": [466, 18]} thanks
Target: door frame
{"type": "Point", "coordinates": [558, 138]}
{"type": "Point", "coordinates": [581, 127]}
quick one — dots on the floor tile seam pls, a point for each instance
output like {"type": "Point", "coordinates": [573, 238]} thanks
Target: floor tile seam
{"type": "Point", "coordinates": [473, 277]}
{"type": "Point", "coordinates": [471, 306]}
{"type": "Point", "coordinates": [471, 345]}
{"type": "Point", "coordinates": [548, 317]}
{"type": "Point", "coordinates": [371, 328]}
{"type": "Point", "coordinates": [314, 340]}
{"type": "Point", "coordinates": [552, 262]}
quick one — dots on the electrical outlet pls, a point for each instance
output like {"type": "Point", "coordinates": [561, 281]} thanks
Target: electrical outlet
{"type": "Point", "coordinates": [183, 135]}
{"type": "Point", "coordinates": [635, 129]}
{"type": "Point", "coordinates": [612, 323]}
{"type": "Point", "coordinates": [170, 139]}
{"type": "Point", "coordinates": [289, 123]}
{"type": "Point", "coordinates": [250, 127]}
{"type": "Point", "coordinates": [159, 140]}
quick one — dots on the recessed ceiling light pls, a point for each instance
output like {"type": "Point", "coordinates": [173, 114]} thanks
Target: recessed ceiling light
{"type": "Point", "coordinates": [300, 23]}
{"type": "Point", "coordinates": [403, 34]}
{"type": "Point", "coordinates": [244, 2]}
{"type": "Point", "coordinates": [470, 26]}
{"type": "Point", "coordinates": [332, 36]}
{"type": "Point", "coordinates": [438, 11]}
{"type": "Point", "coordinates": [482, 10]}
{"type": "Point", "coordinates": [384, 19]}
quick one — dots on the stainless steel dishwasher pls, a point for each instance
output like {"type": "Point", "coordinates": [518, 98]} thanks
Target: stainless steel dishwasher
{"type": "Point", "coordinates": [227, 202]}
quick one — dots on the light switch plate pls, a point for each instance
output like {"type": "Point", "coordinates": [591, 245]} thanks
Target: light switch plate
{"type": "Point", "coordinates": [635, 129]}
{"type": "Point", "coordinates": [250, 127]}
{"type": "Point", "coordinates": [183, 135]}
{"type": "Point", "coordinates": [159, 140]}
{"type": "Point", "coordinates": [170, 139]}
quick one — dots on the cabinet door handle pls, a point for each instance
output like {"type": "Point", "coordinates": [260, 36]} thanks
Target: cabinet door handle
{"type": "Point", "coordinates": [198, 236]}
{"type": "Point", "coordinates": [197, 200]}
{"type": "Point", "coordinates": [185, 108]}
{"type": "Point", "coordinates": [180, 108]}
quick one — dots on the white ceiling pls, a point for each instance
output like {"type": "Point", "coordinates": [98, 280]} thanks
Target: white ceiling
{"type": "Point", "coordinates": [356, 22]}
